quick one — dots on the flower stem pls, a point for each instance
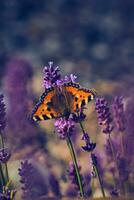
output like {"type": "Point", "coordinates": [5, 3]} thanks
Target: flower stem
{"type": "Point", "coordinates": [122, 143]}
{"type": "Point", "coordinates": [70, 145]}
{"type": "Point", "coordinates": [2, 146]}
{"type": "Point", "coordinates": [2, 176]}
{"type": "Point", "coordinates": [95, 168]}
{"type": "Point", "coordinates": [115, 160]}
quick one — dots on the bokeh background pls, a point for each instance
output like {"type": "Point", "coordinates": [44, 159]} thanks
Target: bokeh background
{"type": "Point", "coordinates": [91, 39]}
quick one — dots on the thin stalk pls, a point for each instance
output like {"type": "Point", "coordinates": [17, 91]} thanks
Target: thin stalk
{"type": "Point", "coordinates": [2, 176]}
{"type": "Point", "coordinates": [115, 160]}
{"type": "Point", "coordinates": [70, 145]}
{"type": "Point", "coordinates": [122, 143]}
{"type": "Point", "coordinates": [95, 168]}
{"type": "Point", "coordinates": [2, 145]}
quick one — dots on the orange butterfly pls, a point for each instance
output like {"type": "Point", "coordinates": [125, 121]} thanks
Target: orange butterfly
{"type": "Point", "coordinates": [61, 101]}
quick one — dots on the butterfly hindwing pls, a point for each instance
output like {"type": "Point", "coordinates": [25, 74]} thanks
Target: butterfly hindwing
{"type": "Point", "coordinates": [43, 110]}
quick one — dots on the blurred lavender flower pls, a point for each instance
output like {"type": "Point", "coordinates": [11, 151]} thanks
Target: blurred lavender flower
{"type": "Point", "coordinates": [123, 168]}
{"type": "Point", "coordinates": [64, 127]}
{"type": "Point", "coordinates": [33, 182]}
{"type": "Point", "coordinates": [129, 137]}
{"type": "Point", "coordinates": [26, 174]}
{"type": "Point", "coordinates": [90, 146]}
{"type": "Point", "coordinates": [104, 115]}
{"type": "Point", "coordinates": [54, 185]}
{"type": "Point", "coordinates": [118, 113]}
{"type": "Point", "coordinates": [114, 193]}
{"type": "Point", "coordinates": [72, 175]}
{"type": "Point", "coordinates": [117, 148]}
{"type": "Point", "coordinates": [18, 73]}
{"type": "Point", "coordinates": [7, 194]}
{"type": "Point", "coordinates": [2, 113]}
{"type": "Point", "coordinates": [4, 155]}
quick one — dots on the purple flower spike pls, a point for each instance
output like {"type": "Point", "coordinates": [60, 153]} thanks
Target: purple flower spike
{"type": "Point", "coordinates": [51, 75]}
{"type": "Point", "coordinates": [104, 115]}
{"type": "Point", "coordinates": [64, 127]}
{"type": "Point", "coordinates": [7, 194]}
{"type": "Point", "coordinates": [4, 155]}
{"type": "Point", "coordinates": [118, 113]}
{"type": "Point", "coordinates": [2, 113]}
{"type": "Point", "coordinates": [26, 174]}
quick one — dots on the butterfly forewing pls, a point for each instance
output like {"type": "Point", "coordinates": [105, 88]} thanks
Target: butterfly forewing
{"type": "Point", "coordinates": [80, 96]}
{"type": "Point", "coordinates": [44, 109]}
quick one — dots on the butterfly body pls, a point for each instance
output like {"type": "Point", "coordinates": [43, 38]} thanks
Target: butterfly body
{"type": "Point", "coordinates": [61, 101]}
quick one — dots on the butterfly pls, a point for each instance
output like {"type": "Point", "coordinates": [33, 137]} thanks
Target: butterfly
{"type": "Point", "coordinates": [61, 101]}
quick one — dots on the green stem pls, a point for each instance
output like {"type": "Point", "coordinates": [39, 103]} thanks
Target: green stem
{"type": "Point", "coordinates": [2, 145]}
{"type": "Point", "coordinates": [70, 145]}
{"type": "Point", "coordinates": [95, 168]}
{"type": "Point", "coordinates": [2, 176]}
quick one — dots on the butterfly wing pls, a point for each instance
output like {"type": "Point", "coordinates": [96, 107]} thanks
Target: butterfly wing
{"type": "Point", "coordinates": [44, 109]}
{"type": "Point", "coordinates": [81, 96]}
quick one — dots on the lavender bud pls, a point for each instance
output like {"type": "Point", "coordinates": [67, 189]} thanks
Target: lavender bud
{"type": "Point", "coordinates": [4, 155]}
{"type": "Point", "coordinates": [64, 127]}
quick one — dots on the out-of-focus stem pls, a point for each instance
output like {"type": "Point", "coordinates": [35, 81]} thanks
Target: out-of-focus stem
{"type": "Point", "coordinates": [115, 160]}
{"type": "Point", "coordinates": [70, 145]}
{"type": "Point", "coordinates": [2, 146]}
{"type": "Point", "coordinates": [2, 176]}
{"type": "Point", "coordinates": [95, 168]}
{"type": "Point", "coordinates": [122, 143]}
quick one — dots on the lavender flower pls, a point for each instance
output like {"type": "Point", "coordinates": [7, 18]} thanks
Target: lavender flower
{"type": "Point", "coordinates": [104, 116]}
{"type": "Point", "coordinates": [4, 155]}
{"type": "Point", "coordinates": [26, 174]}
{"type": "Point", "coordinates": [72, 175]}
{"type": "Point", "coordinates": [90, 146]}
{"type": "Point", "coordinates": [66, 79]}
{"type": "Point", "coordinates": [123, 168]}
{"type": "Point", "coordinates": [51, 75]}
{"type": "Point", "coordinates": [64, 127]}
{"type": "Point", "coordinates": [118, 113]}
{"type": "Point", "coordinates": [2, 113]}
{"type": "Point", "coordinates": [79, 117]}
{"type": "Point", "coordinates": [114, 193]}
{"type": "Point", "coordinates": [7, 194]}
{"type": "Point", "coordinates": [18, 73]}
{"type": "Point", "coordinates": [54, 184]}
{"type": "Point", "coordinates": [33, 182]}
